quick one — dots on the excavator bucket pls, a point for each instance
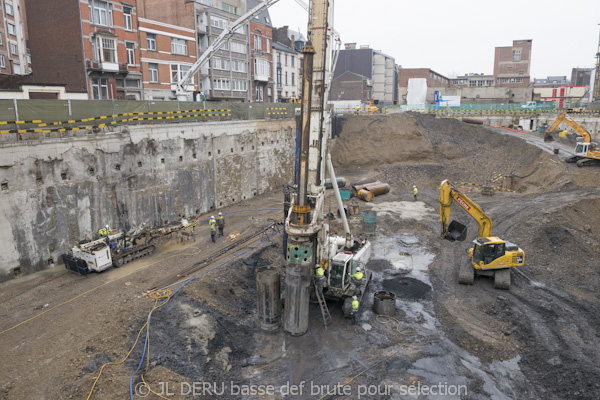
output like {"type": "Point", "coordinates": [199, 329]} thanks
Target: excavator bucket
{"type": "Point", "coordinates": [456, 231]}
{"type": "Point", "coordinates": [548, 137]}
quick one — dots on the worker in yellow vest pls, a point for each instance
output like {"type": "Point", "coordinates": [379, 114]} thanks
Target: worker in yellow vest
{"type": "Point", "coordinates": [105, 231]}
{"type": "Point", "coordinates": [320, 275]}
{"type": "Point", "coordinates": [212, 223]}
{"type": "Point", "coordinates": [354, 313]}
{"type": "Point", "coordinates": [357, 277]}
{"type": "Point", "coordinates": [415, 191]}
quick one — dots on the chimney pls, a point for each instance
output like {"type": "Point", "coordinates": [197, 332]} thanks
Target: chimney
{"type": "Point", "coordinates": [350, 46]}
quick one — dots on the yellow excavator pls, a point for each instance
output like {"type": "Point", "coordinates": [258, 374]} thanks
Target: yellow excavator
{"type": "Point", "coordinates": [586, 152]}
{"type": "Point", "coordinates": [490, 255]}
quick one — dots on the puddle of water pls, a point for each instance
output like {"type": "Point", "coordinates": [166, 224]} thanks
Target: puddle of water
{"type": "Point", "coordinates": [416, 210]}
{"type": "Point", "coordinates": [405, 254]}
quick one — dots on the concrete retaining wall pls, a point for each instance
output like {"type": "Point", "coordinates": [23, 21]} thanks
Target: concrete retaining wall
{"type": "Point", "coordinates": [57, 191]}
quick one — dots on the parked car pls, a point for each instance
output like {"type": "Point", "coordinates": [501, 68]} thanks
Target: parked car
{"type": "Point", "coordinates": [530, 105]}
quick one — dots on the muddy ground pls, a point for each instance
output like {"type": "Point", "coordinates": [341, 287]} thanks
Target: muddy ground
{"type": "Point", "coordinates": [535, 341]}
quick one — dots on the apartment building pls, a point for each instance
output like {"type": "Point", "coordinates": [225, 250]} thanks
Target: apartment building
{"type": "Point", "coordinates": [261, 45]}
{"type": "Point", "coordinates": [434, 79]}
{"type": "Point", "coordinates": [374, 65]}
{"type": "Point", "coordinates": [474, 80]}
{"type": "Point", "coordinates": [167, 47]}
{"type": "Point", "coordinates": [93, 50]}
{"type": "Point", "coordinates": [14, 55]}
{"type": "Point", "coordinates": [512, 64]}
{"type": "Point", "coordinates": [288, 66]}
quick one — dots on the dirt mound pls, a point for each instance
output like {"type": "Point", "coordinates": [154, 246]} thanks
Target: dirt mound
{"type": "Point", "coordinates": [446, 148]}
{"type": "Point", "coordinates": [380, 140]}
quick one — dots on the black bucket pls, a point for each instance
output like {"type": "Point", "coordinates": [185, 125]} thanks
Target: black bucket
{"type": "Point", "coordinates": [75, 264]}
{"type": "Point", "coordinates": [456, 231]}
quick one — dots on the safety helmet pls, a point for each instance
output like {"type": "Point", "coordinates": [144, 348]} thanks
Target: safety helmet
{"type": "Point", "coordinates": [358, 269]}
{"type": "Point", "coordinates": [354, 298]}
{"type": "Point", "coordinates": [220, 213]}
{"type": "Point", "coordinates": [414, 186]}
{"type": "Point", "coordinates": [107, 226]}
{"type": "Point", "coordinates": [212, 217]}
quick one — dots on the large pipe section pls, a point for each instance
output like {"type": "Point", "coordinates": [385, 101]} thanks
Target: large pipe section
{"type": "Point", "coordinates": [338, 198]}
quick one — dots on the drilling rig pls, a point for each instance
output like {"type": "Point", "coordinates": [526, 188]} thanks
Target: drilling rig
{"type": "Point", "coordinates": [309, 242]}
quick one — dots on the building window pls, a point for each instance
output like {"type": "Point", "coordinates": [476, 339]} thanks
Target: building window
{"type": "Point", "coordinates": [132, 83]}
{"type": "Point", "coordinates": [2, 61]}
{"type": "Point", "coordinates": [268, 49]}
{"type": "Point", "coordinates": [11, 29]}
{"type": "Point", "coordinates": [218, 22]}
{"type": "Point", "coordinates": [516, 55]}
{"type": "Point", "coordinates": [14, 49]}
{"type": "Point", "coordinates": [241, 30]}
{"type": "Point", "coordinates": [238, 47]}
{"type": "Point", "coordinates": [0, 39]}
{"type": "Point", "coordinates": [238, 66]}
{"type": "Point", "coordinates": [100, 12]}
{"type": "Point", "coordinates": [261, 67]}
{"type": "Point", "coordinates": [286, 81]}
{"type": "Point", "coordinates": [127, 13]}
{"type": "Point", "coordinates": [293, 61]}
{"type": "Point", "coordinates": [153, 72]}
{"type": "Point", "coordinates": [269, 92]}
{"type": "Point", "coordinates": [286, 61]}
{"type": "Point", "coordinates": [229, 8]}
{"type": "Point", "coordinates": [221, 84]}
{"type": "Point", "coordinates": [293, 78]}
{"type": "Point", "coordinates": [279, 78]}
{"type": "Point", "coordinates": [107, 50]}
{"type": "Point", "coordinates": [130, 47]}
{"type": "Point", "coordinates": [9, 9]}
{"type": "Point", "coordinates": [259, 93]}
{"type": "Point", "coordinates": [240, 86]}
{"type": "Point", "coordinates": [257, 42]}
{"type": "Point", "coordinates": [100, 88]}
{"type": "Point", "coordinates": [151, 41]}
{"type": "Point", "coordinates": [178, 71]}
{"type": "Point", "coordinates": [220, 63]}
{"type": "Point", "coordinates": [178, 46]}
{"type": "Point", "coordinates": [278, 58]}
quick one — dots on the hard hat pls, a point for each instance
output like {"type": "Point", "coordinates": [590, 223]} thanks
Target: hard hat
{"type": "Point", "coordinates": [212, 217]}
{"type": "Point", "coordinates": [107, 226]}
{"type": "Point", "coordinates": [414, 186]}
{"type": "Point", "coordinates": [354, 298]}
{"type": "Point", "coordinates": [358, 269]}
{"type": "Point", "coordinates": [220, 214]}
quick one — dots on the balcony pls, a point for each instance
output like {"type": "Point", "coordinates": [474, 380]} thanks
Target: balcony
{"type": "Point", "coordinates": [261, 77]}
{"type": "Point", "coordinates": [95, 65]}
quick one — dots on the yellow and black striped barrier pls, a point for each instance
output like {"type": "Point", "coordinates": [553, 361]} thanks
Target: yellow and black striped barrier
{"type": "Point", "coordinates": [155, 115]}
{"type": "Point", "coordinates": [276, 111]}
{"type": "Point", "coordinates": [501, 112]}
{"type": "Point", "coordinates": [479, 186]}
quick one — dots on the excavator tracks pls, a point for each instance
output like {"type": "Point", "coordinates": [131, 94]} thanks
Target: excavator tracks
{"type": "Point", "coordinates": [466, 273]}
{"type": "Point", "coordinates": [502, 279]}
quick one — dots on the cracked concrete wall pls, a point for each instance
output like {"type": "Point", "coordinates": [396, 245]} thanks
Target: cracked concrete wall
{"type": "Point", "coordinates": [57, 191]}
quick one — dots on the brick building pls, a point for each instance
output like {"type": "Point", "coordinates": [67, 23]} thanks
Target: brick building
{"type": "Point", "coordinates": [14, 58]}
{"type": "Point", "coordinates": [512, 64]}
{"type": "Point", "coordinates": [433, 78]}
{"type": "Point", "coordinates": [350, 86]}
{"type": "Point", "coordinates": [261, 41]}
{"type": "Point", "coordinates": [93, 50]}
{"type": "Point", "coordinates": [167, 47]}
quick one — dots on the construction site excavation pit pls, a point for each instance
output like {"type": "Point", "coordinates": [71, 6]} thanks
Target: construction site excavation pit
{"type": "Point", "coordinates": [446, 340]}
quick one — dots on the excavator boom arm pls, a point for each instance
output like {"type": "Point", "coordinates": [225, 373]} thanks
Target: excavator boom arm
{"type": "Point", "coordinates": [577, 127]}
{"type": "Point", "coordinates": [447, 195]}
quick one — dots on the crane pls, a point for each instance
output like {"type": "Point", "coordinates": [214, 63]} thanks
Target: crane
{"type": "Point", "coordinates": [586, 152]}
{"type": "Point", "coordinates": [310, 243]}
{"type": "Point", "coordinates": [490, 255]}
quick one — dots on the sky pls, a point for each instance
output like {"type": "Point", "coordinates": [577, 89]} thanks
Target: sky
{"type": "Point", "coordinates": [458, 37]}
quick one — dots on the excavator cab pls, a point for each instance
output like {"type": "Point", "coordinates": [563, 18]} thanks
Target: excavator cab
{"type": "Point", "coordinates": [487, 252]}
{"type": "Point", "coordinates": [456, 232]}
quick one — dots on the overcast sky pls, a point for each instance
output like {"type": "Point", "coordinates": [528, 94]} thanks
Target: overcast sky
{"type": "Point", "coordinates": [459, 37]}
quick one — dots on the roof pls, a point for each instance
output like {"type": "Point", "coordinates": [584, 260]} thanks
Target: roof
{"type": "Point", "coordinates": [264, 18]}
{"type": "Point", "coordinates": [297, 35]}
{"type": "Point", "coordinates": [283, 47]}
{"type": "Point", "coordinates": [359, 76]}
